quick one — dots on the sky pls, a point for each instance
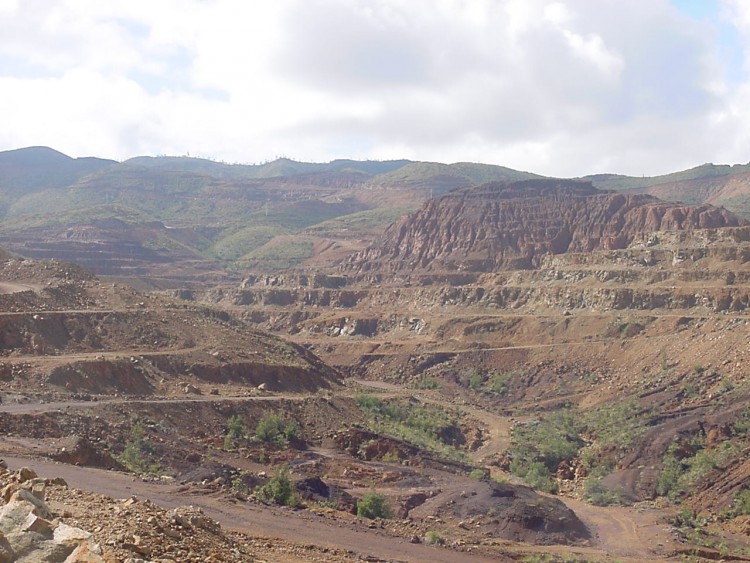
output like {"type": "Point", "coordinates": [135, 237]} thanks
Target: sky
{"type": "Point", "coordinates": [556, 87]}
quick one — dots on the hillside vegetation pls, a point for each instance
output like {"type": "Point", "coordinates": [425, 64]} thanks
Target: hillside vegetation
{"type": "Point", "coordinates": [227, 218]}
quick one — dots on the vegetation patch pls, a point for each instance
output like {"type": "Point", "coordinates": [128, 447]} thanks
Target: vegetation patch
{"type": "Point", "coordinates": [740, 504]}
{"type": "Point", "coordinates": [373, 505]}
{"type": "Point", "coordinates": [686, 463]}
{"type": "Point", "coordinates": [361, 221]}
{"type": "Point", "coordinates": [274, 429]}
{"type": "Point", "coordinates": [594, 492]}
{"type": "Point", "coordinates": [279, 489]}
{"type": "Point", "coordinates": [240, 243]}
{"type": "Point", "coordinates": [427, 383]}
{"type": "Point", "coordinates": [236, 430]}
{"type": "Point", "coordinates": [538, 448]}
{"type": "Point", "coordinates": [741, 426]}
{"type": "Point", "coordinates": [492, 382]}
{"type": "Point", "coordinates": [434, 538]}
{"type": "Point", "coordinates": [612, 430]}
{"type": "Point", "coordinates": [138, 455]}
{"type": "Point", "coordinates": [425, 426]}
{"type": "Point", "coordinates": [279, 255]}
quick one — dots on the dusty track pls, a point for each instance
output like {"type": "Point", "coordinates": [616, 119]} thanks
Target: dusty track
{"type": "Point", "coordinates": [109, 354]}
{"type": "Point", "coordinates": [633, 534]}
{"type": "Point", "coordinates": [7, 288]}
{"type": "Point", "coordinates": [625, 533]}
{"type": "Point", "coordinates": [295, 526]}
{"type": "Point", "coordinates": [28, 408]}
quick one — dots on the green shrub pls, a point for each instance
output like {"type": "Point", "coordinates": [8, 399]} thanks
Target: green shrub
{"type": "Point", "coordinates": [381, 410]}
{"type": "Point", "coordinates": [434, 538]}
{"type": "Point", "coordinates": [427, 383]}
{"type": "Point", "coordinates": [669, 478]}
{"type": "Point", "coordinates": [275, 429]}
{"type": "Point", "coordinates": [538, 477]}
{"type": "Point", "coordinates": [681, 475]}
{"type": "Point", "coordinates": [425, 426]}
{"type": "Point", "coordinates": [741, 504]}
{"type": "Point", "coordinates": [594, 492]}
{"type": "Point", "coordinates": [474, 379]}
{"type": "Point", "coordinates": [390, 457]}
{"type": "Point", "coordinates": [138, 452]}
{"type": "Point", "coordinates": [500, 382]}
{"type": "Point", "coordinates": [685, 518]}
{"type": "Point", "coordinates": [373, 505]}
{"type": "Point", "coordinates": [550, 441]}
{"type": "Point", "coordinates": [689, 391]}
{"type": "Point", "coordinates": [236, 430]}
{"type": "Point", "coordinates": [278, 490]}
{"type": "Point", "coordinates": [741, 426]}
{"type": "Point", "coordinates": [538, 448]}
{"type": "Point", "coordinates": [615, 428]}
{"type": "Point", "coordinates": [478, 474]}
{"type": "Point", "coordinates": [239, 483]}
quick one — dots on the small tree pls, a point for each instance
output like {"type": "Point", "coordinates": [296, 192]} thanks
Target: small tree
{"type": "Point", "coordinates": [236, 430]}
{"type": "Point", "coordinates": [373, 505]}
{"type": "Point", "coordinates": [273, 428]}
{"type": "Point", "coordinates": [279, 489]}
{"type": "Point", "coordinates": [138, 450]}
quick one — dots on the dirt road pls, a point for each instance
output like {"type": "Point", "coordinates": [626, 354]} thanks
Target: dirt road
{"type": "Point", "coordinates": [296, 526]}
{"type": "Point", "coordinates": [625, 533]}
{"type": "Point", "coordinates": [8, 288]}
{"type": "Point", "coordinates": [638, 535]}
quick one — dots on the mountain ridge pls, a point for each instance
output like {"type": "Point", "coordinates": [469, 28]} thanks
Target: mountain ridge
{"type": "Point", "coordinates": [240, 215]}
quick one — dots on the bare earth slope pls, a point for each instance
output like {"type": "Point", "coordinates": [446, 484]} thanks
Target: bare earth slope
{"type": "Point", "coordinates": [590, 344]}
{"type": "Point", "coordinates": [66, 331]}
{"type": "Point", "coordinates": [512, 226]}
{"type": "Point", "coordinates": [542, 300]}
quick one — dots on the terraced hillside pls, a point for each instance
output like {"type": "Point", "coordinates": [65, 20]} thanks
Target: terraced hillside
{"type": "Point", "coordinates": [627, 363]}
{"type": "Point", "coordinates": [520, 370]}
{"type": "Point", "coordinates": [99, 383]}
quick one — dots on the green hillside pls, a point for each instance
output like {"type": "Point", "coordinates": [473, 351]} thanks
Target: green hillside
{"type": "Point", "coordinates": [278, 168]}
{"type": "Point", "coordinates": [259, 216]}
{"type": "Point", "coordinates": [37, 168]}
{"type": "Point", "coordinates": [624, 183]}
{"type": "Point", "coordinates": [446, 177]}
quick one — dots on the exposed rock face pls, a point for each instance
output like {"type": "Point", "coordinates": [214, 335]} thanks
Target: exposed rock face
{"type": "Point", "coordinates": [83, 452]}
{"type": "Point", "coordinates": [512, 226]}
{"type": "Point", "coordinates": [28, 530]}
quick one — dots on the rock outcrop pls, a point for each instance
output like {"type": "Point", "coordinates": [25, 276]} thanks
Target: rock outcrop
{"type": "Point", "coordinates": [30, 532]}
{"type": "Point", "coordinates": [513, 226]}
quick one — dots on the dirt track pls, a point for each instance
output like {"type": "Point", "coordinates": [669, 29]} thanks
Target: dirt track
{"type": "Point", "coordinates": [27, 408]}
{"type": "Point", "coordinates": [295, 526]}
{"type": "Point", "coordinates": [637, 535]}
{"type": "Point", "coordinates": [625, 533]}
{"type": "Point", "coordinates": [8, 288]}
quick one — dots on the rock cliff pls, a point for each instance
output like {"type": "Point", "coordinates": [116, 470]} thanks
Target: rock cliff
{"type": "Point", "coordinates": [510, 226]}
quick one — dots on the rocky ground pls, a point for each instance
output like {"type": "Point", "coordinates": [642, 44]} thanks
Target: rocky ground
{"type": "Point", "coordinates": [615, 381]}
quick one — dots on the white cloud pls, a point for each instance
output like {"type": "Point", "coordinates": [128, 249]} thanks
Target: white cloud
{"type": "Point", "coordinates": [559, 87]}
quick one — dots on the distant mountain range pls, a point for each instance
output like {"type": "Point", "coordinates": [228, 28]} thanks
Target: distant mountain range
{"type": "Point", "coordinates": [182, 218]}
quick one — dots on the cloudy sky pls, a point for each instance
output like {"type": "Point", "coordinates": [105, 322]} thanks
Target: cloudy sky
{"type": "Point", "coordinates": [565, 87]}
